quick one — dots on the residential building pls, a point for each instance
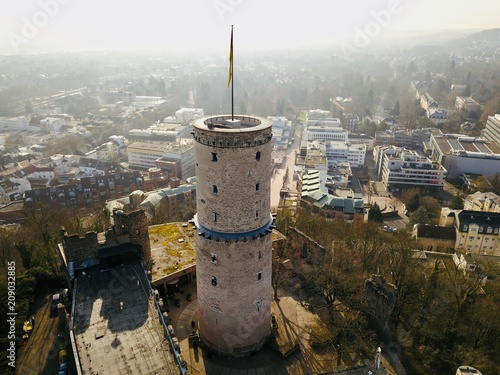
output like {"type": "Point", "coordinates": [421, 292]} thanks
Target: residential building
{"type": "Point", "coordinates": [319, 192]}
{"type": "Point", "coordinates": [312, 156]}
{"type": "Point", "coordinates": [458, 89]}
{"type": "Point", "coordinates": [281, 132]}
{"type": "Point", "coordinates": [437, 114]}
{"type": "Point", "coordinates": [52, 124]}
{"type": "Point", "coordinates": [148, 155]}
{"type": "Point", "coordinates": [414, 138]}
{"type": "Point", "coordinates": [427, 102]}
{"type": "Point", "coordinates": [492, 130]}
{"type": "Point", "coordinates": [477, 231]}
{"type": "Point", "coordinates": [434, 238]}
{"type": "Point", "coordinates": [318, 114]}
{"type": "Point", "coordinates": [166, 132]}
{"type": "Point", "coordinates": [351, 123]}
{"type": "Point", "coordinates": [461, 154]}
{"type": "Point", "coordinates": [486, 202]}
{"type": "Point", "coordinates": [466, 104]}
{"type": "Point", "coordinates": [379, 153]}
{"type": "Point", "coordinates": [341, 152]}
{"type": "Point", "coordinates": [408, 169]}
{"type": "Point", "coordinates": [184, 115]}
{"type": "Point", "coordinates": [384, 138]}
{"type": "Point", "coordinates": [45, 174]}
{"type": "Point", "coordinates": [174, 200]}
{"type": "Point", "coordinates": [108, 151]}
{"type": "Point", "coordinates": [14, 124]}
{"type": "Point", "coordinates": [86, 191]}
{"type": "Point", "coordinates": [93, 167]}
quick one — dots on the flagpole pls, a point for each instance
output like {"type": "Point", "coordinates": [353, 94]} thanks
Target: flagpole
{"type": "Point", "coordinates": [232, 78]}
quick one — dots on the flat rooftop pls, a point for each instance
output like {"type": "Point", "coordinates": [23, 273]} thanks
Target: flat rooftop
{"type": "Point", "coordinates": [172, 250]}
{"type": "Point", "coordinates": [116, 324]}
{"type": "Point", "coordinates": [448, 144]}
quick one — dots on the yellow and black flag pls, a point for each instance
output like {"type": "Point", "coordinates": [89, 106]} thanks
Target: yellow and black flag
{"type": "Point", "coordinates": [230, 59]}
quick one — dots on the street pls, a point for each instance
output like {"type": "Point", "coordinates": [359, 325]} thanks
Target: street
{"type": "Point", "coordinates": [279, 174]}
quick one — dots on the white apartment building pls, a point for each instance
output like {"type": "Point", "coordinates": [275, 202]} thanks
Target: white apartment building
{"type": "Point", "coordinates": [487, 202]}
{"type": "Point", "coordinates": [344, 151]}
{"type": "Point", "coordinates": [379, 153]}
{"type": "Point", "coordinates": [52, 124]}
{"type": "Point", "coordinates": [281, 131]}
{"type": "Point", "coordinates": [14, 124]}
{"type": "Point", "coordinates": [318, 114]}
{"type": "Point", "coordinates": [105, 152]}
{"type": "Point", "coordinates": [466, 103]}
{"type": "Point", "coordinates": [187, 114]}
{"type": "Point", "coordinates": [144, 155]}
{"type": "Point", "coordinates": [492, 130]}
{"type": "Point", "coordinates": [408, 169]}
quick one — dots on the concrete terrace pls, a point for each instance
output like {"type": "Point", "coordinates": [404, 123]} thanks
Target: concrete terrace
{"type": "Point", "coordinates": [116, 325]}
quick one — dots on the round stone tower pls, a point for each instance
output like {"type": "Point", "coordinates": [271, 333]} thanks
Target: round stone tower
{"type": "Point", "coordinates": [233, 254]}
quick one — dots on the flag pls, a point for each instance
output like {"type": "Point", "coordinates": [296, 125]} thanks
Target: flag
{"type": "Point", "coordinates": [230, 60]}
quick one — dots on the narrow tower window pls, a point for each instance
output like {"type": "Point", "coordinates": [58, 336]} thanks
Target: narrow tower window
{"type": "Point", "coordinates": [256, 214]}
{"type": "Point", "coordinates": [215, 216]}
{"type": "Point", "coordinates": [214, 156]}
{"type": "Point", "coordinates": [259, 276]}
{"type": "Point", "coordinates": [260, 254]}
{"type": "Point", "coordinates": [257, 155]}
{"type": "Point", "coordinates": [214, 189]}
{"type": "Point", "coordinates": [214, 281]}
{"type": "Point", "coordinates": [257, 186]}
{"type": "Point", "coordinates": [214, 258]}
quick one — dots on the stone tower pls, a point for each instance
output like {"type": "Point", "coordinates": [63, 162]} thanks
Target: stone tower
{"type": "Point", "coordinates": [233, 244]}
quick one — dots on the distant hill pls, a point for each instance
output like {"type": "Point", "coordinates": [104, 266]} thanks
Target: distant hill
{"type": "Point", "coordinates": [428, 38]}
{"type": "Point", "coordinates": [490, 35]}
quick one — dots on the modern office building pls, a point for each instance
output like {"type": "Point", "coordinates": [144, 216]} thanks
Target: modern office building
{"type": "Point", "coordinates": [461, 154]}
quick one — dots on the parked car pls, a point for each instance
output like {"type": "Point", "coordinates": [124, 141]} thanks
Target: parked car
{"type": "Point", "coordinates": [56, 299]}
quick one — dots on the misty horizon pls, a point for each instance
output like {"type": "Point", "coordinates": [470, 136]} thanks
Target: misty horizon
{"type": "Point", "coordinates": [70, 25]}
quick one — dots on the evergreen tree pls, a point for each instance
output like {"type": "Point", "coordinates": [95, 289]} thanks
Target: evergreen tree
{"type": "Point", "coordinates": [395, 109]}
{"type": "Point", "coordinates": [375, 214]}
{"type": "Point", "coordinates": [414, 203]}
{"type": "Point", "coordinates": [495, 183]}
{"type": "Point", "coordinates": [457, 203]}
{"type": "Point", "coordinates": [419, 216]}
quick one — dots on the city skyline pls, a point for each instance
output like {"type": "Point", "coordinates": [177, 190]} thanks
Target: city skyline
{"type": "Point", "coordinates": [74, 25]}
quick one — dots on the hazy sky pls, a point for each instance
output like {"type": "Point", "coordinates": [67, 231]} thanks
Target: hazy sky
{"type": "Point", "coordinates": [28, 25]}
